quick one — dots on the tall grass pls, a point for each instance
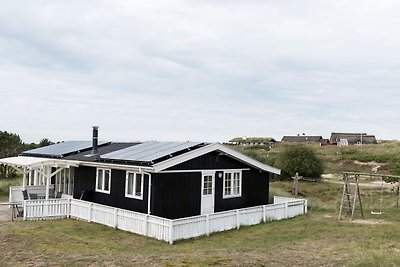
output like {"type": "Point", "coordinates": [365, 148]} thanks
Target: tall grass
{"type": "Point", "coordinates": [5, 185]}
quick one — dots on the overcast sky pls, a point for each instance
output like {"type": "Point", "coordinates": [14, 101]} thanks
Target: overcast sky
{"type": "Point", "coordinates": [199, 70]}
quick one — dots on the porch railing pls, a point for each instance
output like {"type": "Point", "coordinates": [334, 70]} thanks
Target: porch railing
{"type": "Point", "coordinates": [161, 228]}
{"type": "Point", "coordinates": [16, 192]}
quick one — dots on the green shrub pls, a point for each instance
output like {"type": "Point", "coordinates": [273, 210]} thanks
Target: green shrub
{"type": "Point", "coordinates": [301, 159]}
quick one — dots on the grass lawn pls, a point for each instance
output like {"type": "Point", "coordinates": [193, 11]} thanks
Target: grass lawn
{"type": "Point", "coordinates": [312, 240]}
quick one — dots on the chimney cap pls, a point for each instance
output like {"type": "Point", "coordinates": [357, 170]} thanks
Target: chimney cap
{"type": "Point", "coordinates": [95, 127]}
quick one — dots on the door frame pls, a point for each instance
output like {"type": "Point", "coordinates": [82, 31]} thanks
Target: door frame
{"type": "Point", "coordinates": [203, 174]}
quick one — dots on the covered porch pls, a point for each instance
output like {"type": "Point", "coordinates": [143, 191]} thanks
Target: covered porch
{"type": "Point", "coordinates": [43, 178]}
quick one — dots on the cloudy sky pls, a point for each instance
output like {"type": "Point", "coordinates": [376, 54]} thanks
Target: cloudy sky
{"type": "Point", "coordinates": [205, 70]}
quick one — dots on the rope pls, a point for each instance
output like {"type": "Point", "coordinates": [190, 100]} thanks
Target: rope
{"type": "Point", "coordinates": [381, 200]}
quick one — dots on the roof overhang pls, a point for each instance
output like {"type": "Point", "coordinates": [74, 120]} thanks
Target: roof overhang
{"type": "Point", "coordinates": [34, 162]}
{"type": "Point", "coordinates": [215, 147]}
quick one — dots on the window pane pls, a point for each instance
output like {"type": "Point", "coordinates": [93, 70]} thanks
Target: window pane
{"type": "Point", "coordinates": [130, 184]}
{"type": "Point", "coordinates": [207, 185]}
{"type": "Point", "coordinates": [106, 180]}
{"type": "Point", "coordinates": [228, 183]}
{"type": "Point", "coordinates": [138, 185]}
{"type": "Point", "coordinates": [100, 179]}
{"type": "Point", "coordinates": [236, 183]}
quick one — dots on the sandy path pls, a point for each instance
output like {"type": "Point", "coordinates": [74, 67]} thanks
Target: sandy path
{"type": "Point", "coordinates": [5, 213]}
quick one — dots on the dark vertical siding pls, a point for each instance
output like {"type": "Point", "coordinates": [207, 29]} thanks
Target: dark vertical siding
{"type": "Point", "coordinates": [255, 184]}
{"type": "Point", "coordinates": [178, 195]}
{"type": "Point", "coordinates": [85, 180]}
{"type": "Point", "coordinates": [254, 192]}
{"type": "Point", "coordinates": [175, 195]}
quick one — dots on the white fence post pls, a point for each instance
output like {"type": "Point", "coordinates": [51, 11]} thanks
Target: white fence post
{"type": "Point", "coordinates": [90, 212]}
{"type": "Point", "coordinates": [286, 209]}
{"type": "Point", "coordinates": [264, 213]}
{"type": "Point", "coordinates": [171, 232]}
{"type": "Point", "coordinates": [237, 219]}
{"type": "Point", "coordinates": [68, 208]}
{"type": "Point", "coordinates": [207, 225]}
{"type": "Point", "coordinates": [146, 222]}
{"type": "Point", "coordinates": [25, 210]}
{"type": "Point", "coordinates": [305, 206]}
{"type": "Point", "coordinates": [115, 217]}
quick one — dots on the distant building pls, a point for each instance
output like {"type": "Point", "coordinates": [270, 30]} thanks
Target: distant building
{"type": "Point", "coordinates": [304, 139]}
{"type": "Point", "coordinates": [344, 139]}
{"type": "Point", "coordinates": [253, 141]}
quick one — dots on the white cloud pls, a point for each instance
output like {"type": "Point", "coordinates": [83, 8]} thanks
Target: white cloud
{"type": "Point", "coordinates": [198, 70]}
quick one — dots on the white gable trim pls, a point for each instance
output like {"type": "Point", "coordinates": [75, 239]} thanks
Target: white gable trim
{"type": "Point", "coordinates": [34, 162]}
{"type": "Point", "coordinates": [214, 147]}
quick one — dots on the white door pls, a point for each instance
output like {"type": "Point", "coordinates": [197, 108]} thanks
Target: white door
{"type": "Point", "coordinates": [207, 193]}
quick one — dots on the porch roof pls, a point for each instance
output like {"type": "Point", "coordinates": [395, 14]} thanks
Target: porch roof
{"type": "Point", "coordinates": [33, 162]}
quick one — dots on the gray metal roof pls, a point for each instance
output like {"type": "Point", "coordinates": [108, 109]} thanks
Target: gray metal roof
{"type": "Point", "coordinates": [150, 151]}
{"type": "Point", "coordinates": [62, 149]}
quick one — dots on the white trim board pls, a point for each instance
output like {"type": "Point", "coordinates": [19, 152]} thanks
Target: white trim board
{"type": "Point", "coordinates": [205, 171]}
{"type": "Point", "coordinates": [214, 147]}
{"type": "Point", "coordinates": [34, 162]}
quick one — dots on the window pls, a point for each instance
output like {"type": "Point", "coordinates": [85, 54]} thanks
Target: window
{"type": "Point", "coordinates": [134, 184]}
{"type": "Point", "coordinates": [103, 180]}
{"type": "Point", "coordinates": [64, 182]}
{"type": "Point", "coordinates": [232, 184]}
{"type": "Point", "coordinates": [207, 185]}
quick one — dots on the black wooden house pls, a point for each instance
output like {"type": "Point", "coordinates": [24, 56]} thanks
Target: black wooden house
{"type": "Point", "coordinates": [166, 179]}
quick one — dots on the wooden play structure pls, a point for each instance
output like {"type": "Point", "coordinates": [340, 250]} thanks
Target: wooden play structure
{"type": "Point", "coordinates": [351, 202]}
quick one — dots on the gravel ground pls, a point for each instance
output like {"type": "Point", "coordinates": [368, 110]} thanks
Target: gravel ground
{"type": "Point", "coordinates": [5, 213]}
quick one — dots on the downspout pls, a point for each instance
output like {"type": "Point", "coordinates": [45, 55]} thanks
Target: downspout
{"type": "Point", "coordinates": [149, 196]}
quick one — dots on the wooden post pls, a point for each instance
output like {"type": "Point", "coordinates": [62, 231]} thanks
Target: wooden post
{"type": "Point", "coordinates": [296, 179]}
{"type": "Point", "coordinates": [171, 232]}
{"type": "Point", "coordinates": [305, 206]}
{"type": "Point", "coordinates": [264, 213]}
{"type": "Point", "coordinates": [24, 179]}
{"type": "Point", "coordinates": [115, 217]}
{"type": "Point", "coordinates": [24, 201]}
{"type": "Point", "coordinates": [90, 212]}
{"type": "Point", "coordinates": [237, 219]}
{"type": "Point", "coordinates": [207, 225]}
{"type": "Point", "coordinates": [286, 210]}
{"type": "Point", "coordinates": [146, 223]}
{"type": "Point", "coordinates": [68, 208]}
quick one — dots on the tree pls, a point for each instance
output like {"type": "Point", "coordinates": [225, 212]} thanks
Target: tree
{"type": "Point", "coordinates": [45, 142]}
{"type": "Point", "coordinates": [301, 159]}
{"type": "Point", "coordinates": [10, 146]}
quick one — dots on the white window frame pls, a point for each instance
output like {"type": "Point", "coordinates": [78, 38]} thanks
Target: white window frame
{"type": "Point", "coordinates": [133, 195]}
{"type": "Point", "coordinates": [103, 182]}
{"type": "Point", "coordinates": [231, 194]}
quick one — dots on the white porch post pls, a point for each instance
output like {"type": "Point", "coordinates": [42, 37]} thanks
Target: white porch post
{"type": "Point", "coordinates": [149, 196]}
{"type": "Point", "coordinates": [24, 179]}
{"type": "Point", "coordinates": [48, 181]}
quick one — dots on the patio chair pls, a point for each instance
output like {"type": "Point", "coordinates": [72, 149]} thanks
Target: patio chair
{"type": "Point", "coordinates": [52, 193]}
{"type": "Point", "coordinates": [59, 195]}
{"type": "Point", "coordinates": [33, 196]}
{"type": "Point", "coordinates": [25, 194]}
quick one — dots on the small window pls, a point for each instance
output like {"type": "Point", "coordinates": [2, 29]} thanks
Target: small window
{"type": "Point", "coordinates": [103, 180]}
{"type": "Point", "coordinates": [134, 185]}
{"type": "Point", "coordinates": [207, 185]}
{"type": "Point", "coordinates": [232, 184]}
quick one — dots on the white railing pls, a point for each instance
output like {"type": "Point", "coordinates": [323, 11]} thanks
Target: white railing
{"type": "Point", "coordinates": [161, 228]}
{"type": "Point", "coordinates": [16, 192]}
{"type": "Point", "coordinates": [126, 220]}
{"type": "Point", "coordinates": [221, 221]}
{"type": "Point", "coordinates": [45, 209]}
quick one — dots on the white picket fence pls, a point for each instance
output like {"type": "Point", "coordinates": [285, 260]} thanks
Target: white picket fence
{"type": "Point", "coordinates": [161, 228]}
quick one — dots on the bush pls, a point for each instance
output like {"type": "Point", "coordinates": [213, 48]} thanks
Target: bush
{"type": "Point", "coordinates": [301, 159]}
